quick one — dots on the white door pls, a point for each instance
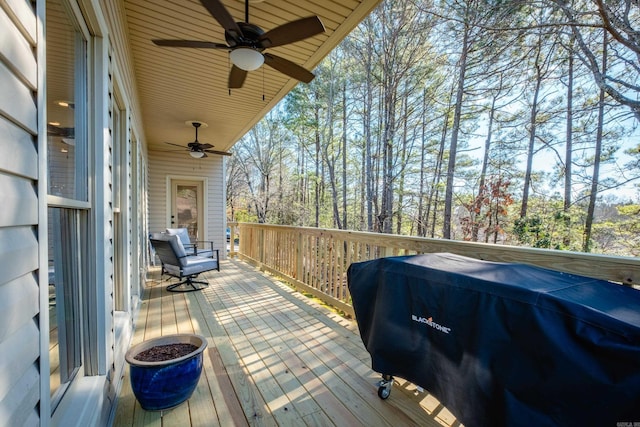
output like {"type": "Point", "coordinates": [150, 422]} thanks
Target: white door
{"type": "Point", "coordinates": [187, 207]}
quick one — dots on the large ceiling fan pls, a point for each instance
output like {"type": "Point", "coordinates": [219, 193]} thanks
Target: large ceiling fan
{"type": "Point", "coordinates": [197, 149]}
{"type": "Point", "coordinates": [247, 42]}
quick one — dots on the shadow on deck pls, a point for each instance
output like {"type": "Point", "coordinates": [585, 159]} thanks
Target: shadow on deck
{"type": "Point", "coordinates": [274, 358]}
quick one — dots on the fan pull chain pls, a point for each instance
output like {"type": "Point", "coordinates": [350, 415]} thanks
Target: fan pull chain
{"type": "Point", "coordinates": [263, 83]}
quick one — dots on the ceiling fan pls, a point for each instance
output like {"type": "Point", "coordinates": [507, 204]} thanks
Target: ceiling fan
{"type": "Point", "coordinates": [196, 148]}
{"type": "Point", "coordinates": [67, 134]}
{"type": "Point", "coordinates": [247, 42]}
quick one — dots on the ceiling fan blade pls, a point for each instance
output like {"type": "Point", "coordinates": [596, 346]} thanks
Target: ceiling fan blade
{"type": "Point", "coordinates": [236, 77]}
{"type": "Point", "coordinates": [292, 32]}
{"type": "Point", "coordinates": [190, 43]}
{"type": "Point", "coordinates": [224, 18]}
{"type": "Point", "coordinates": [221, 153]}
{"type": "Point", "coordinates": [53, 130]}
{"type": "Point", "coordinates": [205, 146]}
{"type": "Point", "coordinates": [289, 68]}
{"type": "Point", "coordinates": [177, 145]}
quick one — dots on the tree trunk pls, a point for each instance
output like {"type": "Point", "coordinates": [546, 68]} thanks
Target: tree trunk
{"type": "Point", "coordinates": [434, 195]}
{"type": "Point", "coordinates": [434, 191]}
{"type": "Point", "coordinates": [403, 162]}
{"type": "Point", "coordinates": [598, 153]}
{"type": "Point", "coordinates": [344, 156]}
{"type": "Point", "coordinates": [477, 204]}
{"type": "Point", "coordinates": [317, 177]}
{"type": "Point", "coordinates": [368, 105]}
{"type": "Point", "coordinates": [302, 185]}
{"type": "Point", "coordinates": [386, 205]}
{"type": "Point", "coordinates": [532, 132]}
{"type": "Point", "coordinates": [363, 189]}
{"type": "Point", "coordinates": [329, 156]}
{"type": "Point", "coordinates": [453, 148]}
{"type": "Point", "coordinates": [568, 157]}
{"type": "Point", "coordinates": [421, 220]}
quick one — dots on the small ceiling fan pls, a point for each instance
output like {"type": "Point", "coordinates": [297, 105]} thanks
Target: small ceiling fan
{"type": "Point", "coordinates": [247, 42]}
{"type": "Point", "coordinates": [196, 149]}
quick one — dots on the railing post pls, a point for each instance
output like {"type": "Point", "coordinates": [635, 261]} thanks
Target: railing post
{"type": "Point", "coordinates": [261, 245]}
{"type": "Point", "coordinates": [298, 270]}
{"type": "Point", "coordinates": [232, 243]}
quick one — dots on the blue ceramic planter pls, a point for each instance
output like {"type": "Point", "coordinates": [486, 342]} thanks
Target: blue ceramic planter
{"type": "Point", "coordinates": [166, 384]}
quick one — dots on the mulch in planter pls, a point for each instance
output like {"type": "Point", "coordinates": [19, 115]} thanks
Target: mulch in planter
{"type": "Point", "coordinates": [161, 353]}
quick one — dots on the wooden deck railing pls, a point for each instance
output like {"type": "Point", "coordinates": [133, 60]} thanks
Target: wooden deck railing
{"type": "Point", "coordinates": [316, 260]}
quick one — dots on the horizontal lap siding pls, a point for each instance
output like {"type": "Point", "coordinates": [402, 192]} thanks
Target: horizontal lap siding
{"type": "Point", "coordinates": [19, 291]}
{"type": "Point", "coordinates": [216, 211]}
{"type": "Point", "coordinates": [19, 200]}
{"type": "Point", "coordinates": [23, 159]}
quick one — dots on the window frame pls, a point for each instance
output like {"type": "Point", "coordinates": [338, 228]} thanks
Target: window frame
{"type": "Point", "coordinates": [81, 206]}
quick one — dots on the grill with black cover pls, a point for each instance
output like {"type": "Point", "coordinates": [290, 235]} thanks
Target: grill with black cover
{"type": "Point", "coordinates": [500, 343]}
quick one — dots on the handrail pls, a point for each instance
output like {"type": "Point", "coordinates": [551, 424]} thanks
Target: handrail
{"type": "Point", "coordinates": [316, 259]}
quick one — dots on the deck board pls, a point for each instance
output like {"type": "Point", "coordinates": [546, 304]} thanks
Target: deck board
{"type": "Point", "coordinates": [274, 358]}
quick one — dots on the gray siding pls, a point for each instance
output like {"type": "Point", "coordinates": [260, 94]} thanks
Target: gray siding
{"type": "Point", "coordinates": [19, 290]}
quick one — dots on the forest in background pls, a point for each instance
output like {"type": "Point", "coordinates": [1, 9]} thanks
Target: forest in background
{"type": "Point", "coordinates": [502, 121]}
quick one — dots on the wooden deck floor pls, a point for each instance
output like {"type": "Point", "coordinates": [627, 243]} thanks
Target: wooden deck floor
{"type": "Point", "coordinates": [274, 358]}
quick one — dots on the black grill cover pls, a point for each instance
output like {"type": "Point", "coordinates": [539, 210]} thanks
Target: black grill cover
{"type": "Point", "coordinates": [503, 344]}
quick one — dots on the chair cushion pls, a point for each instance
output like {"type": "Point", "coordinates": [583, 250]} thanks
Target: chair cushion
{"type": "Point", "coordinates": [176, 246]}
{"type": "Point", "coordinates": [198, 264]}
{"type": "Point", "coordinates": [182, 233]}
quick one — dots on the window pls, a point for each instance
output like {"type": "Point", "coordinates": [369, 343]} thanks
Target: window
{"type": "Point", "coordinates": [68, 199]}
{"type": "Point", "coordinates": [65, 295]}
{"type": "Point", "coordinates": [120, 214]}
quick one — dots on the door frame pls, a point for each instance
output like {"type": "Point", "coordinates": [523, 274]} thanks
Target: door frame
{"type": "Point", "coordinates": [204, 181]}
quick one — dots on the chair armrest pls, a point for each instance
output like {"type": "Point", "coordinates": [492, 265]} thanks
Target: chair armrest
{"type": "Point", "coordinates": [190, 249]}
{"type": "Point", "coordinates": [204, 245]}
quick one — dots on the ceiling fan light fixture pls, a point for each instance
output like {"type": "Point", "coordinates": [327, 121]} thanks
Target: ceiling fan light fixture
{"type": "Point", "coordinates": [196, 154]}
{"type": "Point", "coordinates": [246, 41]}
{"type": "Point", "coordinates": [246, 58]}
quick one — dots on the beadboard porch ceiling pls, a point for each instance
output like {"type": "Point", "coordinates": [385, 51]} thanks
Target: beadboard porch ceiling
{"type": "Point", "coordinates": [183, 84]}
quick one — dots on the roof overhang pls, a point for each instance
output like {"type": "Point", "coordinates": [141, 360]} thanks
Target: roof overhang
{"type": "Point", "coordinates": [176, 85]}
